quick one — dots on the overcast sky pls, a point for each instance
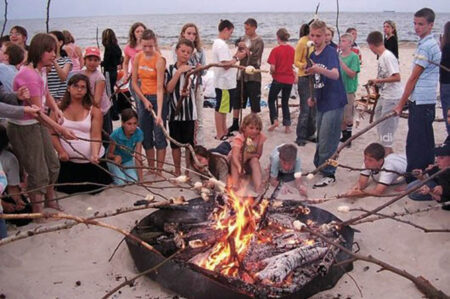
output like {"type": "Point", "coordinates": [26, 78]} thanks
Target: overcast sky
{"type": "Point", "coordinates": [18, 9]}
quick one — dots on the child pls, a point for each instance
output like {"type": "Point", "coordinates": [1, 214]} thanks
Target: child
{"type": "Point", "coordinates": [390, 89]}
{"type": "Point", "coordinates": [349, 62]}
{"type": "Point", "coordinates": [438, 188]}
{"type": "Point", "coordinates": [13, 55]}
{"type": "Point", "coordinates": [284, 163]}
{"type": "Point", "coordinates": [3, 183]}
{"type": "Point", "coordinates": [331, 99]}
{"type": "Point", "coordinates": [280, 60]}
{"type": "Point", "coordinates": [182, 108]}
{"type": "Point", "coordinates": [215, 162]}
{"type": "Point", "coordinates": [73, 51]}
{"type": "Point", "coordinates": [374, 160]}
{"type": "Point", "coordinates": [126, 140]}
{"type": "Point", "coordinates": [246, 150]}
{"type": "Point", "coordinates": [97, 83]}
{"type": "Point", "coordinates": [355, 48]}
{"type": "Point", "coordinates": [420, 93]}
{"type": "Point", "coordinates": [390, 37]}
{"type": "Point", "coordinates": [62, 65]}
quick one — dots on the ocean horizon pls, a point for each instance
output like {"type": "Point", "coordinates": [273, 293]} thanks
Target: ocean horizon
{"type": "Point", "coordinates": [168, 26]}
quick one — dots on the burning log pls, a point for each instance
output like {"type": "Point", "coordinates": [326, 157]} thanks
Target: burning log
{"type": "Point", "coordinates": [279, 266]}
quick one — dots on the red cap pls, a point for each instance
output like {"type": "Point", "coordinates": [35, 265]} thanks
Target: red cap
{"type": "Point", "coordinates": [92, 51]}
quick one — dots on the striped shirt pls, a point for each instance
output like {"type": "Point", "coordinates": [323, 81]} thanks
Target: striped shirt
{"type": "Point", "coordinates": [188, 110]}
{"type": "Point", "coordinates": [426, 86]}
{"type": "Point", "coordinates": [56, 86]}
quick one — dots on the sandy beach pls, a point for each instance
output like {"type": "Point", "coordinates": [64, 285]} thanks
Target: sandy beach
{"type": "Point", "coordinates": [50, 265]}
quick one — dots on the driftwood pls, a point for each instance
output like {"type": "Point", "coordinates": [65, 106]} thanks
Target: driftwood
{"type": "Point", "coordinates": [279, 266]}
{"type": "Point", "coordinates": [6, 17]}
{"type": "Point", "coordinates": [48, 15]}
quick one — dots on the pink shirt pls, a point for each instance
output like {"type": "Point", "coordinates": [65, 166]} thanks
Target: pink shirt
{"type": "Point", "coordinates": [31, 79]}
{"type": "Point", "coordinates": [83, 130]}
{"type": "Point", "coordinates": [130, 52]}
{"type": "Point", "coordinates": [239, 141]}
{"type": "Point", "coordinates": [74, 57]}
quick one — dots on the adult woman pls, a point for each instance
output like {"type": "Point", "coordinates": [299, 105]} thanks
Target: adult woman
{"type": "Point", "coordinates": [80, 158]}
{"type": "Point", "coordinates": [390, 37]}
{"type": "Point", "coordinates": [61, 67]}
{"type": "Point", "coordinates": [444, 78]}
{"type": "Point", "coordinates": [281, 59]}
{"type": "Point", "coordinates": [30, 140]}
{"type": "Point", "coordinates": [198, 58]}
{"type": "Point", "coordinates": [73, 51]}
{"type": "Point", "coordinates": [148, 68]}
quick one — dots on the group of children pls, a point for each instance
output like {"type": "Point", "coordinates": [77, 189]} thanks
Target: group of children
{"type": "Point", "coordinates": [52, 76]}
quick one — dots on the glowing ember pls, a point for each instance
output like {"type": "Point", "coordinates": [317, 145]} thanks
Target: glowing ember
{"type": "Point", "coordinates": [238, 222]}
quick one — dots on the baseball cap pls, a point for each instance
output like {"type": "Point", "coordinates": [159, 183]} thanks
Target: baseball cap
{"type": "Point", "coordinates": [443, 150]}
{"type": "Point", "coordinates": [92, 51]}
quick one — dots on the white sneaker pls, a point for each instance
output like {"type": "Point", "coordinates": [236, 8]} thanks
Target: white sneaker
{"type": "Point", "coordinates": [325, 182]}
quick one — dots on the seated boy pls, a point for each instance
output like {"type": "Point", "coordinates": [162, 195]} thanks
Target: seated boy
{"type": "Point", "coordinates": [215, 162]}
{"type": "Point", "coordinates": [374, 161]}
{"type": "Point", "coordinates": [284, 163]}
{"type": "Point", "coordinates": [438, 188]}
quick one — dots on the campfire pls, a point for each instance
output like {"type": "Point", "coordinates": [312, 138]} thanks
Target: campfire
{"type": "Point", "coordinates": [243, 247]}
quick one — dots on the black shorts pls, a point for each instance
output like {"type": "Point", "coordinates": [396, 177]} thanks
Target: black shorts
{"type": "Point", "coordinates": [252, 90]}
{"type": "Point", "coordinates": [224, 99]}
{"type": "Point", "coordinates": [182, 131]}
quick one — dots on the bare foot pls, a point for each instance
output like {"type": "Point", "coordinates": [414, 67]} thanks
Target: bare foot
{"type": "Point", "coordinates": [51, 204]}
{"type": "Point", "coordinates": [272, 127]}
{"type": "Point", "coordinates": [287, 129]}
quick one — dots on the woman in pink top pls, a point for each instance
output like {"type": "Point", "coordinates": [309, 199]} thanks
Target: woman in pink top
{"type": "Point", "coordinates": [30, 140]}
{"type": "Point", "coordinates": [73, 51]}
{"type": "Point", "coordinates": [133, 47]}
{"type": "Point", "coordinates": [80, 158]}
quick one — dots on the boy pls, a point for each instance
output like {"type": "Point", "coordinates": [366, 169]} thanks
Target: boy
{"type": "Point", "coordinates": [182, 109]}
{"type": "Point", "coordinates": [13, 55]}
{"type": "Point", "coordinates": [349, 62]}
{"type": "Point", "coordinates": [374, 161]}
{"type": "Point", "coordinates": [438, 188]}
{"type": "Point", "coordinates": [252, 46]}
{"type": "Point", "coordinates": [284, 163]}
{"type": "Point", "coordinates": [421, 91]}
{"type": "Point", "coordinates": [330, 99]}
{"type": "Point", "coordinates": [355, 48]}
{"type": "Point", "coordinates": [390, 89]}
{"type": "Point", "coordinates": [224, 78]}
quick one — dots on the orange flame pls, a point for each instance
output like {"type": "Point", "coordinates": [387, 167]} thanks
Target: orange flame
{"type": "Point", "coordinates": [239, 224]}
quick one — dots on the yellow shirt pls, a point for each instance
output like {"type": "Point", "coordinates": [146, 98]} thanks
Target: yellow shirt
{"type": "Point", "coordinates": [300, 55]}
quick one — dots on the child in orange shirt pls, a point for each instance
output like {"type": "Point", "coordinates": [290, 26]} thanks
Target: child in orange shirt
{"type": "Point", "coordinates": [246, 150]}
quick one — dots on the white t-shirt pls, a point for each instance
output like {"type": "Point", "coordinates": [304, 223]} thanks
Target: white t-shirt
{"type": "Point", "coordinates": [387, 66]}
{"type": "Point", "coordinates": [394, 162]}
{"type": "Point", "coordinates": [223, 79]}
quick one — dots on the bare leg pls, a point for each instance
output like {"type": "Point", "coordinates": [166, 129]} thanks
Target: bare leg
{"type": "Point", "coordinates": [218, 118]}
{"type": "Point", "coordinates": [161, 158]}
{"type": "Point", "coordinates": [275, 125]}
{"type": "Point", "coordinates": [36, 204]}
{"type": "Point", "coordinates": [150, 153]}
{"type": "Point", "coordinates": [176, 155]}
{"type": "Point", "coordinates": [256, 174]}
{"type": "Point", "coordinates": [234, 177]}
{"type": "Point", "coordinates": [49, 202]}
{"type": "Point", "coordinates": [188, 161]}
{"type": "Point", "coordinates": [287, 129]}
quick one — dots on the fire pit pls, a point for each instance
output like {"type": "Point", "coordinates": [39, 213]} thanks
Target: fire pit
{"type": "Point", "coordinates": [243, 249]}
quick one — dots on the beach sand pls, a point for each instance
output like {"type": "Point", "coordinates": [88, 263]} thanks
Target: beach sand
{"type": "Point", "coordinates": [49, 265]}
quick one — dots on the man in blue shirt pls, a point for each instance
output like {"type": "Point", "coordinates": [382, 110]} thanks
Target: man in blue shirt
{"type": "Point", "coordinates": [421, 91]}
{"type": "Point", "coordinates": [330, 99]}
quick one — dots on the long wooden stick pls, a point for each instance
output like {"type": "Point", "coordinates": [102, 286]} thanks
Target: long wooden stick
{"type": "Point", "coordinates": [6, 17]}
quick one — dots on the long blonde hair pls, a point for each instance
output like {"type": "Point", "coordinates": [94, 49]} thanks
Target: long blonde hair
{"type": "Point", "coordinates": [197, 41]}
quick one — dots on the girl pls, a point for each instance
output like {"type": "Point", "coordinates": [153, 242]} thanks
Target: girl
{"type": "Point", "coordinates": [148, 68]}
{"type": "Point", "coordinates": [30, 140]}
{"type": "Point", "coordinates": [18, 35]}
{"type": "Point", "coordinates": [60, 69]}
{"type": "Point", "coordinates": [182, 111]}
{"type": "Point", "coordinates": [390, 37]}
{"type": "Point", "coordinates": [329, 35]}
{"type": "Point", "coordinates": [126, 141]}
{"type": "Point", "coordinates": [73, 51]}
{"type": "Point", "coordinates": [246, 150]}
{"type": "Point", "coordinates": [444, 76]}
{"type": "Point", "coordinates": [97, 84]}
{"type": "Point", "coordinates": [198, 58]}
{"type": "Point", "coordinates": [133, 47]}
{"type": "Point", "coordinates": [80, 158]}
{"type": "Point", "coordinates": [280, 60]}
{"type": "Point", "coordinates": [111, 59]}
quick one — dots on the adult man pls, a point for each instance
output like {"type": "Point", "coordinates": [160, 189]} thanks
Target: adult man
{"type": "Point", "coordinates": [330, 100]}
{"type": "Point", "coordinates": [421, 91]}
{"type": "Point", "coordinates": [224, 78]}
{"type": "Point", "coordinates": [252, 45]}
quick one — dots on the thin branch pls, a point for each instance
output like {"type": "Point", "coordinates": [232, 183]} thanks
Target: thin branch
{"type": "Point", "coordinates": [395, 214]}
{"type": "Point", "coordinates": [48, 15]}
{"type": "Point", "coordinates": [6, 17]}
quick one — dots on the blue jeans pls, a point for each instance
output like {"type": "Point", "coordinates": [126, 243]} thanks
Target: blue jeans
{"type": "Point", "coordinates": [306, 125]}
{"type": "Point", "coordinates": [3, 233]}
{"type": "Point", "coordinates": [445, 99]}
{"type": "Point", "coordinates": [328, 134]}
{"type": "Point", "coordinates": [420, 139]}
{"type": "Point", "coordinates": [153, 135]}
{"type": "Point", "coordinates": [123, 176]}
{"type": "Point", "coordinates": [275, 89]}
{"type": "Point", "coordinates": [416, 195]}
